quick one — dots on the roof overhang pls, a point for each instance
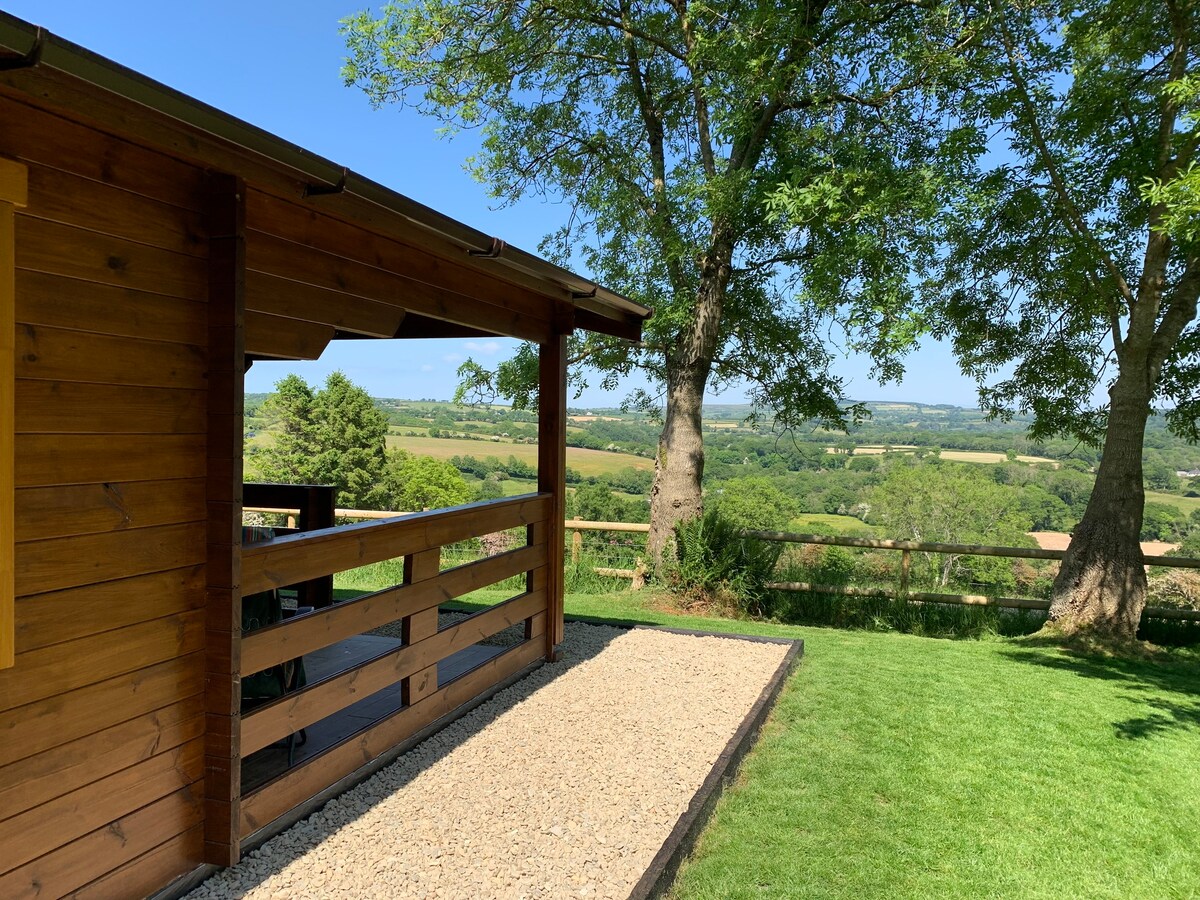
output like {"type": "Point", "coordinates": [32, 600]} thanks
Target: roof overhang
{"type": "Point", "coordinates": [27, 47]}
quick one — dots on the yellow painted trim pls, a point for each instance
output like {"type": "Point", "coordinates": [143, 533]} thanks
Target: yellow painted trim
{"type": "Point", "coordinates": [14, 192]}
{"type": "Point", "coordinates": [14, 183]}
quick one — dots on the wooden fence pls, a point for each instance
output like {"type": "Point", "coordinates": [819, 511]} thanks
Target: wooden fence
{"type": "Point", "coordinates": [419, 539]}
{"type": "Point", "coordinates": [906, 549]}
{"type": "Point", "coordinates": [576, 527]}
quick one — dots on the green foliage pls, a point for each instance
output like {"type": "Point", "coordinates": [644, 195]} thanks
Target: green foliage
{"type": "Point", "coordinates": [755, 504]}
{"type": "Point", "coordinates": [755, 172]}
{"type": "Point", "coordinates": [410, 483]}
{"type": "Point", "coordinates": [1161, 522]}
{"type": "Point", "coordinates": [954, 504]}
{"type": "Point", "coordinates": [1072, 252]}
{"type": "Point", "coordinates": [331, 436]}
{"type": "Point", "coordinates": [715, 563]}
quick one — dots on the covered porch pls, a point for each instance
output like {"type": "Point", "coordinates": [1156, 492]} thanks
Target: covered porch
{"type": "Point", "coordinates": [157, 248]}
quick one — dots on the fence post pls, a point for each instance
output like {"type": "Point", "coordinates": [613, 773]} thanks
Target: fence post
{"type": "Point", "coordinates": [905, 563]}
{"type": "Point", "coordinates": [576, 542]}
{"type": "Point", "coordinates": [420, 567]}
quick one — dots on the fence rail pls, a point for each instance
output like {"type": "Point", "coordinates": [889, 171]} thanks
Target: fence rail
{"type": "Point", "coordinates": [906, 548]}
{"type": "Point", "coordinates": [576, 527]}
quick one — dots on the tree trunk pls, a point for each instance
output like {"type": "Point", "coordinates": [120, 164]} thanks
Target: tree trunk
{"type": "Point", "coordinates": [1101, 587]}
{"type": "Point", "coordinates": [679, 466]}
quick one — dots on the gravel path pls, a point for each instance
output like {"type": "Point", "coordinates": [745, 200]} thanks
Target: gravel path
{"type": "Point", "coordinates": [564, 785]}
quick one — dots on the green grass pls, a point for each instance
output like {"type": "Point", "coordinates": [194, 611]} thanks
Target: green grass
{"type": "Point", "coordinates": [897, 766]}
{"type": "Point", "coordinates": [1186, 504]}
{"type": "Point", "coordinates": [585, 462]}
{"type": "Point", "coordinates": [900, 766]}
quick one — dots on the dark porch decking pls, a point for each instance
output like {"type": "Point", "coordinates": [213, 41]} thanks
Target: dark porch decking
{"type": "Point", "coordinates": [259, 768]}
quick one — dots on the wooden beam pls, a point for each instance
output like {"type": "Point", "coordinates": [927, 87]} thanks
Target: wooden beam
{"type": "Point", "coordinates": [295, 637]}
{"type": "Point", "coordinates": [314, 702]}
{"type": "Point", "coordinates": [275, 337]}
{"type": "Point", "coordinates": [625, 327]}
{"type": "Point", "coordinates": [14, 193]}
{"type": "Point", "coordinates": [416, 326]}
{"type": "Point", "coordinates": [226, 359]}
{"type": "Point", "coordinates": [397, 286]}
{"type": "Point", "coordinates": [552, 471]}
{"type": "Point", "coordinates": [281, 297]}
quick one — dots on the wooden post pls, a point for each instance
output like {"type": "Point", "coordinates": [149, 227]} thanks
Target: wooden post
{"type": "Point", "coordinates": [552, 471]}
{"type": "Point", "coordinates": [14, 193]}
{"type": "Point", "coordinates": [905, 565]}
{"type": "Point", "coordinates": [226, 367]}
{"type": "Point", "coordinates": [317, 511]}
{"type": "Point", "coordinates": [576, 543]}
{"type": "Point", "coordinates": [420, 567]}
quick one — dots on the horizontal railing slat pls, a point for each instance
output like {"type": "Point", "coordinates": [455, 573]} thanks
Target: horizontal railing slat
{"type": "Point", "coordinates": [262, 806]}
{"type": "Point", "coordinates": [323, 698]}
{"type": "Point", "coordinates": [299, 557]}
{"type": "Point", "coordinates": [294, 637]}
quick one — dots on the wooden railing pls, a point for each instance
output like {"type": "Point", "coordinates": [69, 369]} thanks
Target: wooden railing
{"type": "Point", "coordinates": [412, 665]}
{"type": "Point", "coordinates": [906, 549]}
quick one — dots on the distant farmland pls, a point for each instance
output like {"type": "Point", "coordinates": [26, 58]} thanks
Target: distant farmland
{"type": "Point", "coordinates": [971, 456]}
{"type": "Point", "coordinates": [585, 462]}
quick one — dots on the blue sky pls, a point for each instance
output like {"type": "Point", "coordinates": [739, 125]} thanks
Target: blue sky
{"type": "Point", "coordinates": [276, 64]}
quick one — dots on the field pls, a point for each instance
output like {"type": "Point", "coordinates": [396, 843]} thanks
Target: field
{"type": "Point", "coordinates": [826, 523]}
{"type": "Point", "coordinates": [1187, 504]}
{"type": "Point", "coordinates": [971, 456]}
{"type": "Point", "coordinates": [585, 462]}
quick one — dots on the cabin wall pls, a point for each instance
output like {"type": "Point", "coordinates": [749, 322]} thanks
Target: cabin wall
{"type": "Point", "coordinates": [102, 715]}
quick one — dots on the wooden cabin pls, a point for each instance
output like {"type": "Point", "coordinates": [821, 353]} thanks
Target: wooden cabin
{"type": "Point", "coordinates": [151, 249]}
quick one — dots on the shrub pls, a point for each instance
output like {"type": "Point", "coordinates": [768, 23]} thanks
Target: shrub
{"type": "Point", "coordinates": [717, 565]}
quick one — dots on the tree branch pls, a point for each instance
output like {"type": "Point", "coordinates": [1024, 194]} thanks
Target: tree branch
{"type": "Point", "coordinates": [1075, 219]}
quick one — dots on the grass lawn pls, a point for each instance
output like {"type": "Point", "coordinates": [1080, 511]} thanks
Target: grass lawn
{"type": "Point", "coordinates": [901, 766]}
{"type": "Point", "coordinates": [1186, 504]}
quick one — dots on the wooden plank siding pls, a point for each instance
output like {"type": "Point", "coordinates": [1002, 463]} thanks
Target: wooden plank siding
{"type": "Point", "coordinates": [14, 180]}
{"type": "Point", "coordinates": [101, 717]}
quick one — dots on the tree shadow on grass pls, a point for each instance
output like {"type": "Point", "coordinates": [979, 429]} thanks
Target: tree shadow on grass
{"type": "Point", "coordinates": [1166, 685]}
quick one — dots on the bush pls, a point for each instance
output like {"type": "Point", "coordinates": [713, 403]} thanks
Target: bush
{"type": "Point", "coordinates": [716, 565]}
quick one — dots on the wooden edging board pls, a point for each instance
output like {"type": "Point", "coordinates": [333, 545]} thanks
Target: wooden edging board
{"type": "Point", "coordinates": [660, 875]}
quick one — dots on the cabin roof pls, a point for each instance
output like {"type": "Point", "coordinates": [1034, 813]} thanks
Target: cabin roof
{"type": "Point", "coordinates": [24, 45]}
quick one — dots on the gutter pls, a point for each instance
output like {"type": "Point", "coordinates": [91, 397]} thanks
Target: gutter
{"type": "Point", "coordinates": [30, 46]}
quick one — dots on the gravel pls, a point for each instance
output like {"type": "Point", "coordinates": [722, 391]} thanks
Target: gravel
{"type": "Point", "coordinates": [564, 785]}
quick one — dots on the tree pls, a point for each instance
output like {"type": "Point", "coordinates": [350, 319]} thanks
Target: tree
{"type": "Point", "coordinates": [333, 436]}
{"type": "Point", "coordinates": [756, 504]}
{"type": "Point", "coordinates": [949, 503]}
{"type": "Point", "coordinates": [288, 460]}
{"type": "Point", "coordinates": [410, 483]}
{"type": "Point", "coordinates": [1073, 259]}
{"type": "Point", "coordinates": [752, 170]}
